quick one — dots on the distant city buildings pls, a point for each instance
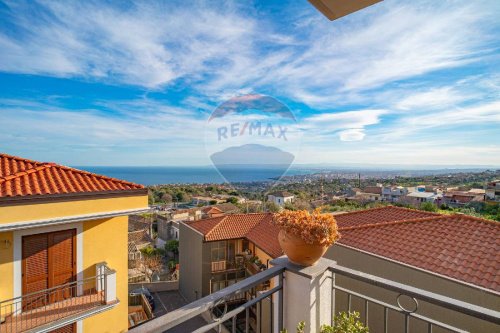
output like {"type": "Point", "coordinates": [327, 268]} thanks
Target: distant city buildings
{"type": "Point", "coordinates": [220, 251]}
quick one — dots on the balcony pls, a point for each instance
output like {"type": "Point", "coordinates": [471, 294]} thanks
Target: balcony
{"type": "Point", "coordinates": [139, 310]}
{"type": "Point", "coordinates": [226, 265]}
{"type": "Point", "coordinates": [314, 294]}
{"type": "Point", "coordinates": [49, 309]}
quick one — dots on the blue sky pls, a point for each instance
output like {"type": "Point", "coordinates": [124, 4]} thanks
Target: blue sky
{"type": "Point", "coordinates": [105, 83]}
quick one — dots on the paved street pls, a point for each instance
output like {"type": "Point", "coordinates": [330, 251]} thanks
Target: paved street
{"type": "Point", "coordinates": [168, 301]}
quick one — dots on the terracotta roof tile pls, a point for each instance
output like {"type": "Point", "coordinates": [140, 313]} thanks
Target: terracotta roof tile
{"type": "Point", "coordinates": [20, 177]}
{"type": "Point", "coordinates": [379, 215]}
{"type": "Point", "coordinates": [140, 237]}
{"type": "Point", "coordinates": [458, 246]}
{"type": "Point", "coordinates": [257, 228]}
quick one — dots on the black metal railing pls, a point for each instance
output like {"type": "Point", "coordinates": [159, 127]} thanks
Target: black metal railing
{"type": "Point", "coordinates": [242, 317]}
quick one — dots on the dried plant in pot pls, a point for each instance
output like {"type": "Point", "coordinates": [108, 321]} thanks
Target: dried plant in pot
{"type": "Point", "coordinates": [304, 236]}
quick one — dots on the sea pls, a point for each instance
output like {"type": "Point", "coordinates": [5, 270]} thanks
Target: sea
{"type": "Point", "coordinates": [191, 174]}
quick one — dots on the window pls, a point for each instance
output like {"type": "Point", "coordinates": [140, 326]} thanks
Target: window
{"type": "Point", "coordinates": [219, 251]}
{"type": "Point", "coordinates": [218, 285]}
{"type": "Point", "coordinates": [245, 244]}
{"type": "Point", "coordinates": [231, 250]}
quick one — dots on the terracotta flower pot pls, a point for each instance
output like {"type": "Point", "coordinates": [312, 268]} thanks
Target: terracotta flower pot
{"type": "Point", "coordinates": [298, 251]}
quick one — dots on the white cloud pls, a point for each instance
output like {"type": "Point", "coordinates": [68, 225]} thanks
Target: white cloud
{"type": "Point", "coordinates": [350, 125]}
{"type": "Point", "coordinates": [220, 48]}
{"type": "Point", "coordinates": [376, 62]}
{"type": "Point", "coordinates": [355, 134]}
{"type": "Point", "coordinates": [432, 99]}
{"type": "Point", "coordinates": [147, 44]}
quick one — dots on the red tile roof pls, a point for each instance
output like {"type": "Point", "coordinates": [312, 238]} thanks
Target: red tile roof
{"type": "Point", "coordinates": [211, 210]}
{"type": "Point", "coordinates": [140, 237]}
{"type": "Point", "coordinates": [379, 215]}
{"type": "Point", "coordinates": [457, 246]}
{"type": "Point", "coordinates": [21, 177]}
{"type": "Point", "coordinates": [257, 228]}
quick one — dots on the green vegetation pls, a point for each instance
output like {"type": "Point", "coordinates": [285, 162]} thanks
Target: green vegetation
{"type": "Point", "coordinates": [478, 209]}
{"type": "Point", "coordinates": [232, 200]}
{"type": "Point", "coordinates": [172, 246]}
{"type": "Point", "coordinates": [164, 194]}
{"type": "Point", "coordinates": [272, 207]}
{"type": "Point", "coordinates": [171, 264]}
{"type": "Point", "coordinates": [343, 323]}
{"type": "Point", "coordinates": [151, 251]}
{"type": "Point", "coordinates": [428, 207]}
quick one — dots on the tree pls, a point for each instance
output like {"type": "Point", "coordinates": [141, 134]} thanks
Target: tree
{"type": "Point", "coordinates": [272, 207]}
{"type": "Point", "coordinates": [232, 200]}
{"type": "Point", "coordinates": [166, 198]}
{"type": "Point", "coordinates": [172, 246]}
{"type": "Point", "coordinates": [429, 207]}
{"type": "Point", "coordinates": [213, 202]}
{"type": "Point", "coordinates": [149, 265]}
{"type": "Point", "coordinates": [182, 197]}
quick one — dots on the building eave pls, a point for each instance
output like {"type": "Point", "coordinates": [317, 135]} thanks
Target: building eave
{"type": "Point", "coordinates": [69, 219]}
{"type": "Point", "coordinates": [38, 199]}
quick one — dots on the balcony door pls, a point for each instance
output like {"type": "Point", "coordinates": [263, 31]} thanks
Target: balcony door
{"type": "Point", "coordinates": [48, 261]}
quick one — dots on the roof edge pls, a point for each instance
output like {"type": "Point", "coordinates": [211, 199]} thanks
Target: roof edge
{"type": "Point", "coordinates": [44, 165]}
{"type": "Point", "coordinates": [420, 219]}
{"type": "Point", "coordinates": [42, 198]}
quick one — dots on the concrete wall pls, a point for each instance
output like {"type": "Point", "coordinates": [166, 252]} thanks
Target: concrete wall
{"type": "Point", "coordinates": [190, 262]}
{"type": "Point", "coordinates": [155, 286]}
{"type": "Point", "coordinates": [393, 271]}
{"type": "Point", "coordinates": [206, 268]}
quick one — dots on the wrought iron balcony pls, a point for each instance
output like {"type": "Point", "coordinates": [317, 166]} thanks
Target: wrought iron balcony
{"type": "Point", "coordinates": [48, 309]}
{"type": "Point", "coordinates": [282, 301]}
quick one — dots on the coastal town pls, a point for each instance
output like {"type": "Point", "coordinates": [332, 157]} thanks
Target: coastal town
{"type": "Point", "coordinates": [178, 255]}
{"type": "Point", "coordinates": [324, 166]}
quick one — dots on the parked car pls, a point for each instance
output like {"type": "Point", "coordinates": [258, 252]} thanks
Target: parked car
{"type": "Point", "coordinates": [144, 291]}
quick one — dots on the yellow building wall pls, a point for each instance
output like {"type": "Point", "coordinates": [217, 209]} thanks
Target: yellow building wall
{"type": "Point", "coordinates": [263, 256]}
{"type": "Point", "coordinates": [106, 240]}
{"type": "Point", "coordinates": [20, 213]}
{"type": "Point", "coordinates": [6, 266]}
{"type": "Point", "coordinates": [103, 240]}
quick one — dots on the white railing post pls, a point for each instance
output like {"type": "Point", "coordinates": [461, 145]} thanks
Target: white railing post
{"type": "Point", "coordinates": [307, 293]}
{"type": "Point", "coordinates": [110, 284]}
{"type": "Point", "coordinates": [100, 270]}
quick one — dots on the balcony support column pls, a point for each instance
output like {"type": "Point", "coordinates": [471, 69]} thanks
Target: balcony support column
{"type": "Point", "coordinates": [110, 287]}
{"type": "Point", "coordinates": [307, 295]}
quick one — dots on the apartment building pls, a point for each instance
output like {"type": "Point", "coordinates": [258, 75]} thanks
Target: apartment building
{"type": "Point", "coordinates": [455, 256]}
{"type": "Point", "coordinates": [63, 247]}
{"type": "Point", "coordinates": [220, 251]}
